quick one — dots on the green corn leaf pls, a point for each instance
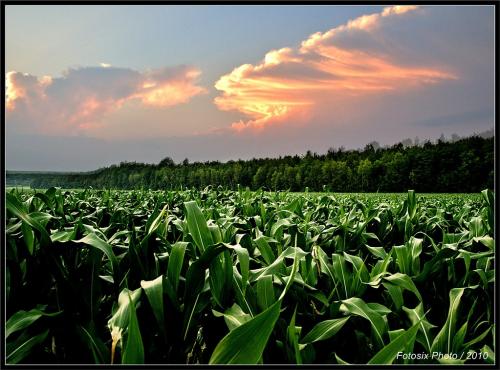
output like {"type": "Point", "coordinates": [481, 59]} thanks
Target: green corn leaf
{"type": "Point", "coordinates": [265, 292]}
{"type": "Point", "coordinates": [29, 236]}
{"type": "Point", "coordinates": [450, 361]}
{"type": "Point", "coordinates": [412, 204]}
{"type": "Point", "coordinates": [240, 298]}
{"type": "Point", "coordinates": [13, 228]}
{"type": "Point", "coordinates": [444, 339]}
{"type": "Point", "coordinates": [197, 226]}
{"type": "Point", "coordinates": [393, 334]}
{"type": "Point", "coordinates": [388, 354]}
{"type": "Point", "coordinates": [458, 338]}
{"type": "Point", "coordinates": [95, 344]}
{"type": "Point", "coordinates": [96, 242]}
{"type": "Point", "coordinates": [220, 274]}
{"type": "Point", "coordinates": [340, 361]}
{"type": "Point", "coordinates": [359, 267]}
{"type": "Point", "coordinates": [488, 354]}
{"type": "Point", "coordinates": [379, 308]}
{"type": "Point", "coordinates": [195, 280]}
{"type": "Point", "coordinates": [17, 209]}
{"type": "Point", "coordinates": [489, 198]}
{"type": "Point", "coordinates": [175, 263]}
{"type": "Point", "coordinates": [154, 293]}
{"type": "Point", "coordinates": [133, 352]}
{"type": "Point", "coordinates": [487, 241]}
{"type": "Point", "coordinates": [380, 268]}
{"type": "Point", "coordinates": [324, 266]}
{"type": "Point", "coordinates": [277, 265]}
{"type": "Point", "coordinates": [477, 339]}
{"type": "Point", "coordinates": [244, 260]}
{"type": "Point", "coordinates": [396, 294]}
{"type": "Point", "coordinates": [120, 319]}
{"type": "Point", "coordinates": [278, 227]}
{"type": "Point", "coordinates": [24, 348]}
{"type": "Point", "coordinates": [415, 248]}
{"type": "Point", "coordinates": [342, 274]}
{"type": "Point", "coordinates": [324, 330]}
{"type": "Point", "coordinates": [357, 306]}
{"type": "Point", "coordinates": [295, 268]}
{"type": "Point", "coordinates": [416, 316]}
{"type": "Point", "coordinates": [378, 252]}
{"type": "Point", "coordinates": [216, 233]}
{"type": "Point", "coordinates": [64, 235]}
{"type": "Point", "coordinates": [293, 333]}
{"type": "Point", "coordinates": [233, 316]}
{"type": "Point", "coordinates": [153, 225]}
{"type": "Point", "coordinates": [22, 319]}
{"type": "Point", "coordinates": [403, 258]}
{"type": "Point", "coordinates": [439, 258]}
{"type": "Point", "coordinates": [403, 281]}
{"type": "Point", "coordinates": [265, 249]}
{"type": "Point", "coordinates": [476, 227]}
{"type": "Point", "coordinates": [45, 199]}
{"type": "Point", "coordinates": [246, 343]}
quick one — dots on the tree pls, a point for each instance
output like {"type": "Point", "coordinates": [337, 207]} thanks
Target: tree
{"type": "Point", "coordinates": [364, 171]}
{"type": "Point", "coordinates": [465, 164]}
{"type": "Point", "coordinates": [166, 162]}
{"type": "Point", "coordinates": [341, 176]}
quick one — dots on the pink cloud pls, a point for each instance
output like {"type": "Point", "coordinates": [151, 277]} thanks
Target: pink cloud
{"type": "Point", "coordinates": [288, 84]}
{"type": "Point", "coordinates": [82, 97]}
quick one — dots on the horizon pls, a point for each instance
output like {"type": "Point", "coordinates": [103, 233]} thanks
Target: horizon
{"type": "Point", "coordinates": [407, 142]}
{"type": "Point", "coordinates": [83, 92]}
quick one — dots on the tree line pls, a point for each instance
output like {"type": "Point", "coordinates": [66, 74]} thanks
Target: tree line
{"type": "Point", "coordinates": [464, 165]}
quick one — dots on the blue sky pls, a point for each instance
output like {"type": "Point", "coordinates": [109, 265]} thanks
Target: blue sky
{"type": "Point", "coordinates": [238, 81]}
{"type": "Point", "coordinates": [216, 38]}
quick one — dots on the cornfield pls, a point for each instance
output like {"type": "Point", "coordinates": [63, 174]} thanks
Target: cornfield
{"type": "Point", "coordinates": [240, 277]}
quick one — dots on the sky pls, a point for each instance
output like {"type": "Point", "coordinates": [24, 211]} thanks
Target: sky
{"type": "Point", "coordinates": [90, 86]}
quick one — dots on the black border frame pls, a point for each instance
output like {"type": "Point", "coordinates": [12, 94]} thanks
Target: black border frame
{"type": "Point", "coordinates": [234, 3]}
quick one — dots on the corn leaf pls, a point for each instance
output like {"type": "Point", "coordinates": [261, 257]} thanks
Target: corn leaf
{"type": "Point", "coordinates": [324, 330]}
{"type": "Point", "coordinates": [388, 354]}
{"type": "Point", "coordinates": [245, 344]}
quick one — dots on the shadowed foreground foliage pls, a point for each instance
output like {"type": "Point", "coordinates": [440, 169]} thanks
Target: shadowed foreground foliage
{"type": "Point", "coordinates": [218, 276]}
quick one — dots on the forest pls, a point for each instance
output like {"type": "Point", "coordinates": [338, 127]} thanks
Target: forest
{"type": "Point", "coordinates": [464, 165]}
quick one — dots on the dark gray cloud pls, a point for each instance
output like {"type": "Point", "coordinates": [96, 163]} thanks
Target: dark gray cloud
{"type": "Point", "coordinates": [458, 119]}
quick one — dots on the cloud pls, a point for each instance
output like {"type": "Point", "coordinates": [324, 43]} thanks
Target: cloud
{"type": "Point", "coordinates": [456, 119]}
{"type": "Point", "coordinates": [81, 97]}
{"type": "Point", "coordinates": [351, 60]}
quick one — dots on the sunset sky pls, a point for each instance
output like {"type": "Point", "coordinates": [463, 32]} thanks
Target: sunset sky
{"type": "Point", "coordinates": [89, 86]}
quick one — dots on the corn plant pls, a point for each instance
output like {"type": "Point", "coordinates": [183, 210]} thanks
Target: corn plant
{"type": "Point", "coordinates": [239, 277]}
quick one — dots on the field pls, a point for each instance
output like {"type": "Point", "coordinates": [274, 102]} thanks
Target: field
{"type": "Point", "coordinates": [219, 276]}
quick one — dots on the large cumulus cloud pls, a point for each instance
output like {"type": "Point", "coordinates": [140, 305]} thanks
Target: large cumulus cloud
{"type": "Point", "coordinates": [352, 60]}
